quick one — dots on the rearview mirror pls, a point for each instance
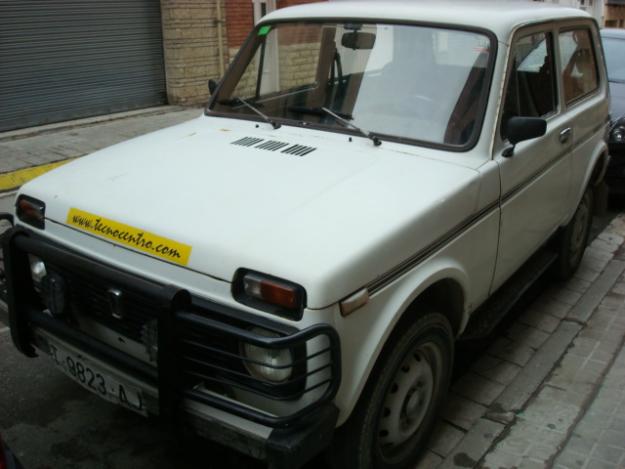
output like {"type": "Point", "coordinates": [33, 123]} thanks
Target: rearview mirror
{"type": "Point", "coordinates": [358, 40]}
{"type": "Point", "coordinates": [519, 129]}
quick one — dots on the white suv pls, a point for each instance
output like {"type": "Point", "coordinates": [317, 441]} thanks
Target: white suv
{"type": "Point", "coordinates": [303, 256]}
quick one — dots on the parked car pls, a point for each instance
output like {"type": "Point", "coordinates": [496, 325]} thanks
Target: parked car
{"type": "Point", "coordinates": [614, 48]}
{"type": "Point", "coordinates": [7, 458]}
{"type": "Point", "coordinates": [291, 270]}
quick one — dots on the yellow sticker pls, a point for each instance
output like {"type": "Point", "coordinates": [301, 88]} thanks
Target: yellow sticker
{"type": "Point", "coordinates": [135, 238]}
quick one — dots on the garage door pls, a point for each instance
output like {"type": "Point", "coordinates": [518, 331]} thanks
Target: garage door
{"type": "Point", "coordinates": [65, 59]}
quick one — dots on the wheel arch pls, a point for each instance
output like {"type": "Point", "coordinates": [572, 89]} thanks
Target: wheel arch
{"type": "Point", "coordinates": [599, 168]}
{"type": "Point", "coordinates": [443, 289]}
{"type": "Point", "coordinates": [446, 296]}
{"type": "Point", "coordinates": [596, 170]}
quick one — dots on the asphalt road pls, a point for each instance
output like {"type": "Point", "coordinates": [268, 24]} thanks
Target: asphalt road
{"type": "Point", "coordinates": [50, 422]}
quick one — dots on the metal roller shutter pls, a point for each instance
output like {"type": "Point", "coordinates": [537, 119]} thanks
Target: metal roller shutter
{"type": "Point", "coordinates": [65, 59]}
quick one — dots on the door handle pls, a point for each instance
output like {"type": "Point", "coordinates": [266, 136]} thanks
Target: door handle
{"type": "Point", "coordinates": [565, 135]}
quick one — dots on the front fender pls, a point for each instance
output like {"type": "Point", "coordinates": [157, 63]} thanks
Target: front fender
{"type": "Point", "coordinates": [365, 332]}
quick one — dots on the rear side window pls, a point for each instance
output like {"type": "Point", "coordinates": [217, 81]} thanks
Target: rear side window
{"type": "Point", "coordinates": [579, 64]}
{"type": "Point", "coordinates": [531, 90]}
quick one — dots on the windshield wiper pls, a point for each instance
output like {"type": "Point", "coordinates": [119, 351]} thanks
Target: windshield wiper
{"type": "Point", "coordinates": [266, 118]}
{"type": "Point", "coordinates": [376, 141]}
{"type": "Point", "coordinates": [317, 111]}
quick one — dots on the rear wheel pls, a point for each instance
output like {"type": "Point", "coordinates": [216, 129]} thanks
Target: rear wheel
{"type": "Point", "coordinates": [397, 410]}
{"type": "Point", "coordinates": [574, 239]}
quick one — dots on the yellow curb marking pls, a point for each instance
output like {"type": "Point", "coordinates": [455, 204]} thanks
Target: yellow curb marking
{"type": "Point", "coordinates": [15, 179]}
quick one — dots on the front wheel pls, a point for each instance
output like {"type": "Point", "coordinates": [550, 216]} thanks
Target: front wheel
{"type": "Point", "coordinates": [574, 239]}
{"type": "Point", "coordinates": [397, 410]}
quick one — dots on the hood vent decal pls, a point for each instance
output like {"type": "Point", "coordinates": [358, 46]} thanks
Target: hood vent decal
{"type": "Point", "coordinates": [274, 145]}
{"type": "Point", "coordinates": [299, 150]}
{"type": "Point", "coordinates": [247, 141]}
{"type": "Point", "coordinates": [271, 145]}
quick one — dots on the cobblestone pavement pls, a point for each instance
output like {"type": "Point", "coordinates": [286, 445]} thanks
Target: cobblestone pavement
{"type": "Point", "coordinates": [71, 141]}
{"type": "Point", "coordinates": [518, 405]}
{"type": "Point", "coordinates": [598, 439]}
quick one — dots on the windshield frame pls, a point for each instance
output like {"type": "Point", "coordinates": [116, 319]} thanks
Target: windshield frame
{"type": "Point", "coordinates": [481, 111]}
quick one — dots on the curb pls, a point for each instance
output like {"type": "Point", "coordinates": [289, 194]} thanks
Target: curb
{"type": "Point", "coordinates": [12, 180]}
{"type": "Point", "coordinates": [87, 121]}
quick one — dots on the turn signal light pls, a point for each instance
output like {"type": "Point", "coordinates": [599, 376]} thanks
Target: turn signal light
{"type": "Point", "coordinates": [31, 211]}
{"type": "Point", "coordinates": [269, 294]}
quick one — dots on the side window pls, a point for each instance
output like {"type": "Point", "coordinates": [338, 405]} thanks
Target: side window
{"type": "Point", "coordinates": [579, 66]}
{"type": "Point", "coordinates": [531, 85]}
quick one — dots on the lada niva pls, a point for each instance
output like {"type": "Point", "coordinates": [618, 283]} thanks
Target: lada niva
{"type": "Point", "coordinates": [289, 272]}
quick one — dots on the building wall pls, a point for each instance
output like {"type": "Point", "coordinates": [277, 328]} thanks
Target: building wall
{"type": "Point", "coordinates": [191, 46]}
{"type": "Point", "coordinates": [239, 22]}
{"type": "Point", "coordinates": [615, 15]}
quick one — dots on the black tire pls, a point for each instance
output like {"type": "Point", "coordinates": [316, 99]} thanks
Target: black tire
{"type": "Point", "coordinates": [401, 399]}
{"type": "Point", "coordinates": [573, 240]}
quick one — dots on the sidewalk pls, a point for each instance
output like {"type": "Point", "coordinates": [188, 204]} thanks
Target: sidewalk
{"type": "Point", "coordinates": [27, 153]}
{"type": "Point", "coordinates": [598, 440]}
{"type": "Point", "coordinates": [551, 390]}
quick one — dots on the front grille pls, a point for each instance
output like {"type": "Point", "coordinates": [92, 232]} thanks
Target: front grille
{"type": "Point", "coordinates": [88, 296]}
{"type": "Point", "coordinates": [197, 342]}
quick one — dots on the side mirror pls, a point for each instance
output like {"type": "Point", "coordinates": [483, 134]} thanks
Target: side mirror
{"type": "Point", "coordinates": [519, 129]}
{"type": "Point", "coordinates": [212, 86]}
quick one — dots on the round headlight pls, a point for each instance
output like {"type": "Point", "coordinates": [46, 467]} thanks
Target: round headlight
{"type": "Point", "coordinates": [37, 270]}
{"type": "Point", "coordinates": [267, 364]}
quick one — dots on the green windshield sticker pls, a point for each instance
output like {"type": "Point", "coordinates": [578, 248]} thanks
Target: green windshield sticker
{"type": "Point", "coordinates": [264, 30]}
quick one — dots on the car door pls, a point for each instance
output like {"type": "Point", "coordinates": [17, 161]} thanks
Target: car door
{"type": "Point", "coordinates": [535, 180]}
{"type": "Point", "coordinates": [583, 96]}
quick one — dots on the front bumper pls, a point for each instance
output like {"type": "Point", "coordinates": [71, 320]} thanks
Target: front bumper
{"type": "Point", "coordinates": [197, 370]}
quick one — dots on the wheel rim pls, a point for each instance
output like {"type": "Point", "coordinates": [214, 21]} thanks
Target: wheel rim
{"type": "Point", "coordinates": [580, 230]}
{"type": "Point", "coordinates": [409, 398]}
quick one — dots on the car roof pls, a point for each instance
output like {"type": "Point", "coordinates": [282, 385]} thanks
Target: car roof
{"type": "Point", "coordinates": [500, 17]}
{"type": "Point", "coordinates": [614, 33]}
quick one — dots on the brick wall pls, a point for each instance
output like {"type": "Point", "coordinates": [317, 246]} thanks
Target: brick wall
{"type": "Point", "coordinates": [239, 21]}
{"type": "Point", "coordinates": [615, 16]}
{"type": "Point", "coordinates": [190, 48]}
{"type": "Point", "coordinates": [240, 18]}
{"type": "Point", "coordinates": [190, 42]}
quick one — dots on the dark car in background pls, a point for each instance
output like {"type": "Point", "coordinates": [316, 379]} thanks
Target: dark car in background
{"type": "Point", "coordinates": [614, 47]}
{"type": "Point", "coordinates": [7, 459]}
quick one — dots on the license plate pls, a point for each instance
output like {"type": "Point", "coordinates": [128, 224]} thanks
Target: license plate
{"type": "Point", "coordinates": [95, 380]}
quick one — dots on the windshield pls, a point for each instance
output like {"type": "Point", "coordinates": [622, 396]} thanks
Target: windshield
{"type": "Point", "coordinates": [410, 82]}
{"type": "Point", "coordinates": [615, 58]}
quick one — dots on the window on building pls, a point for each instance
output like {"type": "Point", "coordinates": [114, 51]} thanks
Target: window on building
{"type": "Point", "coordinates": [531, 85]}
{"type": "Point", "coordinates": [579, 67]}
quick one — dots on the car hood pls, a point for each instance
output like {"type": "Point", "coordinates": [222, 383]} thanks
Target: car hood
{"type": "Point", "coordinates": [617, 100]}
{"type": "Point", "coordinates": [331, 220]}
